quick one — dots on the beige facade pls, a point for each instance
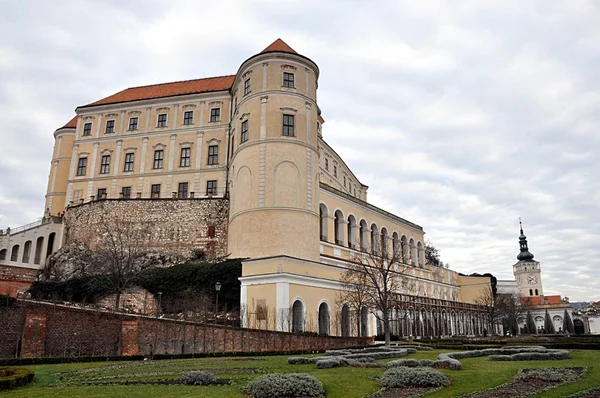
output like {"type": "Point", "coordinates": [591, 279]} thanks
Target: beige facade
{"type": "Point", "coordinates": [297, 212]}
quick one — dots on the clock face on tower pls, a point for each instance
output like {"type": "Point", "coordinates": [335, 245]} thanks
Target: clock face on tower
{"type": "Point", "coordinates": [532, 279]}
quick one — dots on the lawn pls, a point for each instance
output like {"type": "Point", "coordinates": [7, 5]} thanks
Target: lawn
{"type": "Point", "coordinates": [477, 374]}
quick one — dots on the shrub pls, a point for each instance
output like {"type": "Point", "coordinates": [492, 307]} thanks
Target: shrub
{"type": "Point", "coordinates": [14, 377]}
{"type": "Point", "coordinates": [285, 385]}
{"type": "Point", "coordinates": [416, 377]}
{"type": "Point", "coordinates": [411, 363]}
{"type": "Point", "coordinates": [559, 375]}
{"type": "Point", "coordinates": [426, 362]}
{"type": "Point", "coordinates": [198, 378]}
{"type": "Point", "coordinates": [329, 363]}
{"type": "Point", "coordinates": [301, 360]}
{"type": "Point", "coordinates": [336, 352]}
{"type": "Point", "coordinates": [448, 363]}
{"type": "Point", "coordinates": [550, 355]}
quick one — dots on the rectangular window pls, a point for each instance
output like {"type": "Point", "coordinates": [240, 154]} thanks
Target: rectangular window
{"type": "Point", "coordinates": [182, 190]}
{"type": "Point", "coordinates": [87, 129]}
{"type": "Point", "coordinates": [162, 120]}
{"type": "Point", "coordinates": [126, 192]}
{"type": "Point", "coordinates": [188, 117]}
{"type": "Point", "coordinates": [133, 123]}
{"type": "Point", "coordinates": [81, 167]}
{"type": "Point", "coordinates": [105, 164]}
{"type": "Point", "coordinates": [213, 154]}
{"type": "Point", "coordinates": [101, 193]}
{"type": "Point", "coordinates": [344, 181]}
{"type": "Point", "coordinates": [215, 114]}
{"type": "Point", "coordinates": [155, 191]}
{"type": "Point", "coordinates": [288, 80]}
{"type": "Point", "coordinates": [186, 154]}
{"type": "Point", "coordinates": [211, 187]}
{"type": "Point", "coordinates": [247, 87]}
{"type": "Point", "coordinates": [288, 125]}
{"type": "Point", "coordinates": [128, 162]}
{"type": "Point", "coordinates": [158, 159]}
{"type": "Point", "coordinates": [335, 171]}
{"type": "Point", "coordinates": [110, 127]}
{"type": "Point", "coordinates": [244, 135]}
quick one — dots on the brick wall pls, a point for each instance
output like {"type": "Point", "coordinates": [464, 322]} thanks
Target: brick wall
{"type": "Point", "coordinates": [29, 328]}
{"type": "Point", "coordinates": [177, 225]}
{"type": "Point", "coordinates": [15, 279]}
{"type": "Point", "coordinates": [134, 300]}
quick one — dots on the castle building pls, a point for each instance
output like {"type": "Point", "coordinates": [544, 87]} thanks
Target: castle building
{"type": "Point", "coordinates": [238, 165]}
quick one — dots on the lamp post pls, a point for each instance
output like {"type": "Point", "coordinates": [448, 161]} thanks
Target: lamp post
{"type": "Point", "coordinates": [217, 289]}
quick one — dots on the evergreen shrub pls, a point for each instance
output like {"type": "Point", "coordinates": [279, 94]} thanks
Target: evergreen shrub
{"type": "Point", "coordinates": [279, 385]}
{"type": "Point", "coordinates": [402, 376]}
{"type": "Point", "coordinates": [198, 378]}
{"type": "Point", "coordinates": [15, 377]}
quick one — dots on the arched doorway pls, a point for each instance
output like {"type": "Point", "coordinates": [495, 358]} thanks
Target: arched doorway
{"type": "Point", "coordinates": [324, 319]}
{"type": "Point", "coordinates": [345, 320]}
{"type": "Point", "coordinates": [297, 317]}
{"type": "Point", "coordinates": [578, 324]}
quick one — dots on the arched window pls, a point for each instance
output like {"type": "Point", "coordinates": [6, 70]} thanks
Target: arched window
{"type": "Point", "coordinates": [395, 247]}
{"type": "Point", "coordinates": [536, 292]}
{"type": "Point", "coordinates": [352, 240]}
{"type": "Point", "coordinates": [339, 230]}
{"type": "Point", "coordinates": [345, 320]}
{"type": "Point", "coordinates": [297, 317]}
{"type": "Point", "coordinates": [364, 236]}
{"type": "Point", "coordinates": [26, 251]}
{"type": "Point", "coordinates": [14, 254]}
{"type": "Point", "coordinates": [324, 215]}
{"type": "Point", "coordinates": [384, 243]}
{"type": "Point", "coordinates": [420, 254]}
{"type": "Point", "coordinates": [39, 245]}
{"type": "Point", "coordinates": [531, 292]}
{"type": "Point", "coordinates": [404, 249]}
{"type": "Point", "coordinates": [2, 254]}
{"type": "Point", "coordinates": [374, 239]}
{"type": "Point", "coordinates": [413, 251]}
{"type": "Point", "coordinates": [324, 319]}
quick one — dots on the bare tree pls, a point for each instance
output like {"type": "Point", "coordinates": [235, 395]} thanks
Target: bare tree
{"type": "Point", "coordinates": [510, 308]}
{"type": "Point", "coordinates": [491, 305]}
{"type": "Point", "coordinates": [374, 279]}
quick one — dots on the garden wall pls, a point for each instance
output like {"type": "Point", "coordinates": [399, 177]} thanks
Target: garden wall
{"type": "Point", "coordinates": [31, 329]}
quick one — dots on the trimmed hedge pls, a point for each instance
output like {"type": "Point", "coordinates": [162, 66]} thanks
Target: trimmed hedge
{"type": "Point", "coordinates": [15, 377]}
{"type": "Point", "coordinates": [198, 378]}
{"type": "Point", "coordinates": [278, 385]}
{"type": "Point", "coordinates": [402, 376]}
{"type": "Point", "coordinates": [533, 356]}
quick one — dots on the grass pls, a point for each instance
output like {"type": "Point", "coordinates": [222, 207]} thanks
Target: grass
{"type": "Point", "coordinates": [477, 374]}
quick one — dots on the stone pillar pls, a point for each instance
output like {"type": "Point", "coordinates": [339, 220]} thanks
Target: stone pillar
{"type": "Point", "coordinates": [142, 164]}
{"type": "Point", "coordinates": [198, 163]}
{"type": "Point", "coordinates": [171, 163]}
{"type": "Point", "coordinates": [72, 173]}
{"type": "Point", "coordinates": [92, 167]}
{"type": "Point", "coordinates": [130, 331]}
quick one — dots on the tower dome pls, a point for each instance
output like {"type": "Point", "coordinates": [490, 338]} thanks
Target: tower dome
{"type": "Point", "coordinates": [525, 254]}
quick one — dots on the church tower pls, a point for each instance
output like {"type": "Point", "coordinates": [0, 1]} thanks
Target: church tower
{"type": "Point", "coordinates": [273, 151]}
{"type": "Point", "coordinates": [527, 271]}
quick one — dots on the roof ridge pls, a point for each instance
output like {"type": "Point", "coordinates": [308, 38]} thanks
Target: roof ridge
{"type": "Point", "coordinates": [178, 81]}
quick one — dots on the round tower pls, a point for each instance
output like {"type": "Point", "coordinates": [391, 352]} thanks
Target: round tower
{"type": "Point", "coordinates": [274, 160]}
{"type": "Point", "coordinates": [59, 168]}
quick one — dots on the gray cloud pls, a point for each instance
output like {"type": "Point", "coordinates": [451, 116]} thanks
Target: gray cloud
{"type": "Point", "coordinates": [460, 117]}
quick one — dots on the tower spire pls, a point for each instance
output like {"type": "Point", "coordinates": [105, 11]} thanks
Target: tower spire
{"type": "Point", "coordinates": [525, 254]}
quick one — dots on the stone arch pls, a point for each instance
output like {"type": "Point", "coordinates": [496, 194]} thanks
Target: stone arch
{"type": "Point", "coordinates": [345, 326]}
{"type": "Point", "coordinates": [39, 247]}
{"type": "Point", "coordinates": [287, 185]}
{"type": "Point", "coordinates": [558, 322]}
{"type": "Point", "coordinates": [364, 235]}
{"type": "Point", "coordinates": [374, 239]}
{"type": "Point", "coordinates": [404, 249]}
{"type": "Point", "coordinates": [413, 252]}
{"type": "Point", "coordinates": [324, 319]}
{"type": "Point", "coordinates": [298, 316]}
{"type": "Point", "coordinates": [242, 197]}
{"type": "Point", "coordinates": [352, 238]}
{"type": "Point", "coordinates": [384, 242]}
{"type": "Point", "coordinates": [339, 227]}
{"type": "Point", "coordinates": [14, 253]}
{"type": "Point", "coordinates": [26, 251]}
{"type": "Point", "coordinates": [50, 245]}
{"type": "Point", "coordinates": [324, 217]}
{"type": "Point", "coordinates": [3, 255]}
{"type": "Point", "coordinates": [364, 322]}
{"type": "Point", "coordinates": [420, 254]}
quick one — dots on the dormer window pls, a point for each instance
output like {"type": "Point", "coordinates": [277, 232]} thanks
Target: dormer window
{"type": "Point", "coordinates": [288, 80]}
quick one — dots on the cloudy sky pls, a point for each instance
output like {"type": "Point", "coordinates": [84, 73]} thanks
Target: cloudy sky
{"type": "Point", "coordinates": [460, 116]}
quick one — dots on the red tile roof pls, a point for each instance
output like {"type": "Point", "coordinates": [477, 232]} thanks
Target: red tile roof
{"type": "Point", "coordinates": [280, 46]}
{"type": "Point", "coordinates": [220, 83]}
{"type": "Point", "coordinates": [537, 300]}
{"type": "Point", "coordinates": [72, 123]}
